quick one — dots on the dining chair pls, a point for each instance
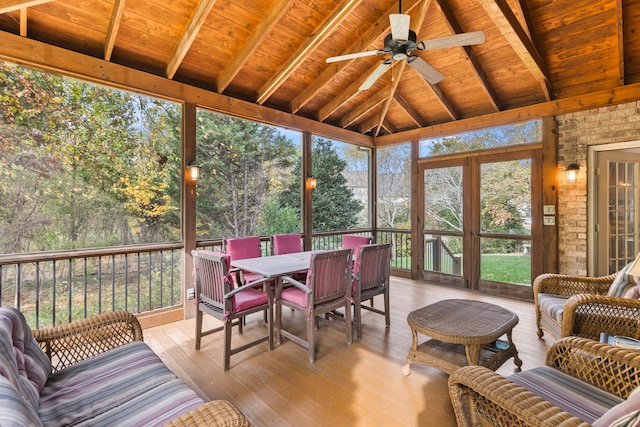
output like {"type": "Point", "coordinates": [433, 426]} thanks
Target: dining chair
{"type": "Point", "coordinates": [286, 243]}
{"type": "Point", "coordinates": [327, 288]}
{"type": "Point", "coordinates": [370, 278]}
{"type": "Point", "coordinates": [217, 296]}
{"type": "Point", "coordinates": [243, 248]}
{"type": "Point", "coordinates": [354, 242]}
{"type": "Point", "coordinates": [282, 244]}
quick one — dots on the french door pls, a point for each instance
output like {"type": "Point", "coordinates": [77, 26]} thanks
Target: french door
{"type": "Point", "coordinates": [482, 221]}
{"type": "Point", "coordinates": [617, 221]}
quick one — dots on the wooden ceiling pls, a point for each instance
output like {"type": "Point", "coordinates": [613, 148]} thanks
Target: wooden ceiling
{"type": "Point", "coordinates": [273, 52]}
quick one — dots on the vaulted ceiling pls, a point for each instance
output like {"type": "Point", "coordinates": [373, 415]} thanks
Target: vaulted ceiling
{"type": "Point", "coordinates": [273, 52]}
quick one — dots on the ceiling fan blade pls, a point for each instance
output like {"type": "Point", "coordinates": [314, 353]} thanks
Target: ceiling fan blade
{"type": "Point", "coordinates": [463, 39]}
{"type": "Point", "coordinates": [353, 55]}
{"type": "Point", "coordinates": [380, 70]}
{"type": "Point", "coordinates": [399, 26]}
{"type": "Point", "coordinates": [430, 74]}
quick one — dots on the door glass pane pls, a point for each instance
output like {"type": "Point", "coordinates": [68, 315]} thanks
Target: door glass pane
{"type": "Point", "coordinates": [622, 213]}
{"type": "Point", "coordinates": [505, 210]}
{"type": "Point", "coordinates": [443, 254]}
{"type": "Point", "coordinates": [506, 260]}
{"type": "Point", "coordinates": [443, 200]}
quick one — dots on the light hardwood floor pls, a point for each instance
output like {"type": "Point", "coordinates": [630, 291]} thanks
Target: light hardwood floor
{"type": "Point", "coordinates": [357, 385]}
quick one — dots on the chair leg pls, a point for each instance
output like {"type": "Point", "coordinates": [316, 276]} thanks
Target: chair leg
{"type": "Point", "coordinates": [311, 339]}
{"type": "Point", "coordinates": [387, 312]}
{"type": "Point", "coordinates": [228, 327]}
{"type": "Point", "coordinates": [278, 305]}
{"type": "Point", "coordinates": [269, 315]}
{"type": "Point", "coordinates": [358, 318]}
{"type": "Point", "coordinates": [198, 328]}
{"type": "Point", "coordinates": [347, 322]}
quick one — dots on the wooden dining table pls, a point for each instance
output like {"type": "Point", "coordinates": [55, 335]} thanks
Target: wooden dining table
{"type": "Point", "coordinates": [275, 266]}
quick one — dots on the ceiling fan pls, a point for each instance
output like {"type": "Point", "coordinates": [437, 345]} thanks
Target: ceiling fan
{"type": "Point", "coordinates": [400, 45]}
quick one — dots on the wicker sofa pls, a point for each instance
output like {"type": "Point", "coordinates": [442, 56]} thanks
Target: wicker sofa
{"type": "Point", "coordinates": [583, 382]}
{"type": "Point", "coordinates": [94, 372]}
{"type": "Point", "coordinates": [569, 305]}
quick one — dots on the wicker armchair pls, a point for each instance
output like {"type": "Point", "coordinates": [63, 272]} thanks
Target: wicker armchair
{"type": "Point", "coordinates": [82, 339]}
{"type": "Point", "coordinates": [588, 310]}
{"type": "Point", "coordinates": [481, 397]}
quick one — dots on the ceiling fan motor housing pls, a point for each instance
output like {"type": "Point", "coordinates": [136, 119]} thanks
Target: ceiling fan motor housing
{"type": "Point", "coordinates": [402, 48]}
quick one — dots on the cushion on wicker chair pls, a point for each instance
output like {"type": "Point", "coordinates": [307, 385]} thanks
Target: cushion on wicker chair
{"type": "Point", "coordinates": [625, 285]}
{"type": "Point", "coordinates": [572, 395]}
{"type": "Point", "coordinates": [553, 305]}
{"type": "Point", "coordinates": [627, 411]}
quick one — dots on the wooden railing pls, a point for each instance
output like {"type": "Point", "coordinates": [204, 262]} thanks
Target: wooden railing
{"type": "Point", "coordinates": [53, 288]}
{"type": "Point", "coordinates": [438, 257]}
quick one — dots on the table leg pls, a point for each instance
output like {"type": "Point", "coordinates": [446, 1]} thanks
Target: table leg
{"type": "Point", "coordinates": [406, 369]}
{"type": "Point", "coordinates": [473, 353]}
{"type": "Point", "coordinates": [516, 359]}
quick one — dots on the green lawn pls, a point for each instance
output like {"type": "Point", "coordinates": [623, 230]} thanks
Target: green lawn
{"type": "Point", "coordinates": [506, 268]}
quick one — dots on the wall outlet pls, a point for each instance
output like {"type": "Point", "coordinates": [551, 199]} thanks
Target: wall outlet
{"type": "Point", "coordinates": [191, 293]}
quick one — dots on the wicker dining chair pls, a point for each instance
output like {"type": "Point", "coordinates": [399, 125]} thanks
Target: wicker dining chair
{"type": "Point", "coordinates": [217, 296]}
{"type": "Point", "coordinates": [327, 288]}
{"type": "Point", "coordinates": [370, 278]}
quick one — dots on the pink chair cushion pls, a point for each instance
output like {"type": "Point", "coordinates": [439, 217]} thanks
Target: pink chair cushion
{"type": "Point", "coordinates": [294, 295]}
{"type": "Point", "coordinates": [248, 299]}
{"type": "Point", "coordinates": [354, 242]}
{"type": "Point", "coordinates": [287, 243]}
{"type": "Point", "coordinates": [244, 247]}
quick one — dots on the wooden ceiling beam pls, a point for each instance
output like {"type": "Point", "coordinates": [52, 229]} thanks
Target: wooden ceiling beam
{"type": "Point", "coordinates": [114, 27]}
{"type": "Point", "coordinates": [398, 69]}
{"type": "Point", "coordinates": [343, 97]}
{"type": "Point", "coordinates": [620, 44]}
{"type": "Point", "coordinates": [363, 109]}
{"type": "Point", "coordinates": [190, 34]}
{"type": "Point", "coordinates": [415, 116]}
{"type": "Point", "coordinates": [509, 26]}
{"type": "Point", "coordinates": [7, 6]}
{"type": "Point", "coordinates": [23, 21]}
{"type": "Point", "coordinates": [600, 99]}
{"type": "Point", "coordinates": [388, 126]}
{"type": "Point", "coordinates": [476, 66]}
{"type": "Point", "coordinates": [368, 124]}
{"type": "Point", "coordinates": [381, 27]}
{"type": "Point", "coordinates": [32, 53]}
{"type": "Point", "coordinates": [325, 29]}
{"type": "Point", "coordinates": [258, 35]}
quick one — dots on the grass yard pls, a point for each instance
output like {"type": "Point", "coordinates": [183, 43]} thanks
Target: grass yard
{"type": "Point", "coordinates": [509, 268]}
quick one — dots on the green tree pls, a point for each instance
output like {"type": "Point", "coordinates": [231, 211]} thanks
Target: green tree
{"type": "Point", "coordinates": [243, 162]}
{"type": "Point", "coordinates": [84, 162]}
{"type": "Point", "coordinates": [334, 206]}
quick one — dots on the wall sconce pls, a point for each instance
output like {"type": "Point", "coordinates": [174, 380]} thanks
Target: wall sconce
{"type": "Point", "coordinates": [312, 182]}
{"type": "Point", "coordinates": [572, 171]}
{"type": "Point", "coordinates": [193, 171]}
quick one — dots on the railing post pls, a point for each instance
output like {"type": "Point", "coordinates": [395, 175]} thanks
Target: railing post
{"type": "Point", "coordinates": [188, 205]}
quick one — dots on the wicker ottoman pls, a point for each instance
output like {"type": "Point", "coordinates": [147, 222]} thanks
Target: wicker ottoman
{"type": "Point", "coordinates": [462, 333]}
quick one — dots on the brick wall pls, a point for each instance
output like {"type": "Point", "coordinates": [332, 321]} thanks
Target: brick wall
{"type": "Point", "coordinates": [576, 132]}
